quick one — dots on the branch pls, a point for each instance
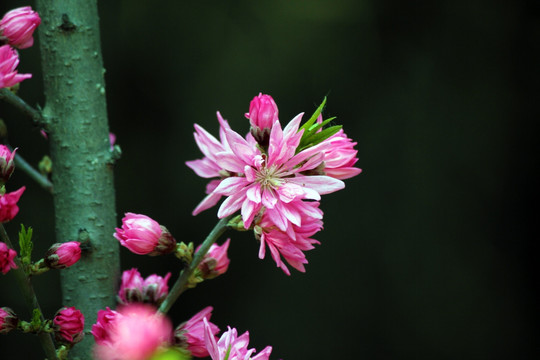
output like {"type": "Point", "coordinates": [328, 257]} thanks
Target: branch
{"type": "Point", "coordinates": [20, 104]}
{"type": "Point", "coordinates": [182, 282]}
{"type": "Point", "coordinates": [30, 298]}
{"type": "Point", "coordinates": [33, 173]}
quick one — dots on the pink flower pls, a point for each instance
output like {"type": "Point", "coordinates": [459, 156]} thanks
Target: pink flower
{"type": "Point", "coordinates": [101, 329]}
{"type": "Point", "coordinates": [190, 334]}
{"type": "Point", "coordinates": [207, 167]}
{"type": "Point", "coordinates": [6, 258]}
{"type": "Point", "coordinates": [18, 25]}
{"type": "Point", "coordinates": [272, 180]}
{"type": "Point", "coordinates": [112, 140]}
{"type": "Point", "coordinates": [155, 289]}
{"type": "Point", "coordinates": [134, 288]}
{"type": "Point", "coordinates": [144, 236]}
{"type": "Point", "coordinates": [291, 244]}
{"type": "Point", "coordinates": [8, 205]}
{"type": "Point", "coordinates": [231, 346]}
{"type": "Point", "coordinates": [8, 64]}
{"type": "Point", "coordinates": [263, 112]}
{"type": "Point", "coordinates": [69, 325]}
{"type": "Point", "coordinates": [8, 320]}
{"type": "Point", "coordinates": [134, 334]}
{"type": "Point", "coordinates": [7, 164]}
{"type": "Point", "coordinates": [215, 262]}
{"type": "Point", "coordinates": [61, 256]}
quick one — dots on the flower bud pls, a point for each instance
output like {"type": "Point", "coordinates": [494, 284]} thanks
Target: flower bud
{"type": "Point", "coordinates": [7, 164]}
{"type": "Point", "coordinates": [101, 329]}
{"type": "Point", "coordinates": [144, 236]}
{"type": "Point", "coordinates": [8, 320]}
{"type": "Point", "coordinates": [6, 258]}
{"type": "Point", "coordinates": [9, 59]}
{"type": "Point", "coordinates": [263, 112]}
{"type": "Point", "coordinates": [155, 289]}
{"type": "Point", "coordinates": [69, 325]}
{"type": "Point", "coordinates": [8, 205]}
{"type": "Point", "coordinates": [215, 262]}
{"type": "Point", "coordinates": [61, 256]}
{"type": "Point", "coordinates": [18, 25]}
{"type": "Point", "coordinates": [190, 334]}
{"type": "Point", "coordinates": [134, 288]}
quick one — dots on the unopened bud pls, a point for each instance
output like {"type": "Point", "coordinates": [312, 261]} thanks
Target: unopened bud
{"type": "Point", "coordinates": [8, 320]}
{"type": "Point", "coordinates": [61, 256]}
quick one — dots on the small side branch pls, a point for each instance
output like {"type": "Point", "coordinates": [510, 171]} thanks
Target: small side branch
{"type": "Point", "coordinates": [30, 298]}
{"type": "Point", "coordinates": [181, 284]}
{"type": "Point", "coordinates": [20, 104]}
{"type": "Point", "coordinates": [41, 179]}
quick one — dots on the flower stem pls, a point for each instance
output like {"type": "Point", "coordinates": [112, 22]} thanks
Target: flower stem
{"type": "Point", "coordinates": [181, 283]}
{"type": "Point", "coordinates": [30, 298]}
{"type": "Point", "coordinates": [20, 104]}
{"type": "Point", "coordinates": [42, 180]}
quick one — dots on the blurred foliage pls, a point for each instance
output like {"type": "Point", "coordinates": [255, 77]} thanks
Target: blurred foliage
{"type": "Point", "coordinates": [429, 253]}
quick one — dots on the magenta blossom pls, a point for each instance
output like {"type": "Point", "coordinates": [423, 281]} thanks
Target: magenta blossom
{"type": "Point", "coordinates": [8, 204]}
{"type": "Point", "coordinates": [231, 346]}
{"type": "Point", "coordinates": [69, 325]}
{"type": "Point", "coordinates": [215, 262]}
{"type": "Point", "coordinates": [6, 258]}
{"type": "Point", "coordinates": [8, 67]}
{"type": "Point", "coordinates": [61, 256]}
{"type": "Point", "coordinates": [190, 334]}
{"type": "Point", "coordinates": [18, 25]}
{"type": "Point", "coordinates": [9, 320]}
{"type": "Point", "coordinates": [291, 244]}
{"type": "Point", "coordinates": [134, 288]}
{"type": "Point", "coordinates": [7, 165]}
{"type": "Point", "coordinates": [136, 333]}
{"type": "Point", "coordinates": [144, 236]}
{"type": "Point", "coordinates": [101, 329]}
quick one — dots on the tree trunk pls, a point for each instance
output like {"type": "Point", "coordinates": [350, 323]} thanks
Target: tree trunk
{"type": "Point", "coordinates": [76, 115]}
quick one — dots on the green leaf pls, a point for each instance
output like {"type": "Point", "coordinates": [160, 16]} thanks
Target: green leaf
{"type": "Point", "coordinates": [36, 319]}
{"type": "Point", "coordinates": [313, 117]}
{"type": "Point", "coordinates": [26, 245]}
{"type": "Point", "coordinates": [171, 354]}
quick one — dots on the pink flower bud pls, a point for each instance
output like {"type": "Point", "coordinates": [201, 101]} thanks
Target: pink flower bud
{"type": "Point", "coordinates": [8, 320]}
{"type": "Point", "coordinates": [9, 59]}
{"type": "Point", "coordinates": [6, 258]}
{"type": "Point", "coordinates": [61, 256]}
{"type": "Point", "coordinates": [215, 262]}
{"type": "Point", "coordinates": [134, 288]}
{"type": "Point", "coordinates": [263, 112]}
{"type": "Point", "coordinates": [131, 288]}
{"type": "Point", "coordinates": [144, 236]}
{"type": "Point", "coordinates": [69, 325]}
{"type": "Point", "coordinates": [134, 334]}
{"type": "Point", "coordinates": [190, 334]}
{"type": "Point", "coordinates": [8, 205]}
{"type": "Point", "coordinates": [155, 289]}
{"type": "Point", "coordinates": [101, 329]}
{"type": "Point", "coordinates": [18, 25]}
{"type": "Point", "coordinates": [7, 165]}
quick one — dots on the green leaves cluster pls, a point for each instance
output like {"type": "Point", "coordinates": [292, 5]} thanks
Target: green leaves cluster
{"type": "Point", "coordinates": [312, 136]}
{"type": "Point", "coordinates": [26, 245]}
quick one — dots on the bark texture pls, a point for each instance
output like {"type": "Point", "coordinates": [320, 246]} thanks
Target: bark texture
{"type": "Point", "coordinates": [76, 116]}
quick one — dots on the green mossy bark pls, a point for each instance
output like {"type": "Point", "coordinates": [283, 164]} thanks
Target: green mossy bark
{"type": "Point", "coordinates": [76, 117]}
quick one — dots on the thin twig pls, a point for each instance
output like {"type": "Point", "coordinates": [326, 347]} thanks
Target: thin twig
{"type": "Point", "coordinates": [30, 298]}
{"type": "Point", "coordinates": [20, 104]}
{"type": "Point", "coordinates": [33, 173]}
{"type": "Point", "coordinates": [181, 283]}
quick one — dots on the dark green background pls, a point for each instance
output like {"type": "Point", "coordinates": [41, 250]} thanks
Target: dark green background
{"type": "Point", "coordinates": [429, 254]}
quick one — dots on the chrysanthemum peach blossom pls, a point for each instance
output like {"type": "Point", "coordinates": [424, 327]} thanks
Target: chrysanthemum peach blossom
{"type": "Point", "coordinates": [272, 179]}
{"type": "Point", "coordinates": [291, 244]}
{"type": "Point", "coordinates": [135, 334]}
{"type": "Point", "coordinates": [9, 59]}
{"type": "Point", "coordinates": [190, 334]}
{"type": "Point", "coordinates": [231, 346]}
